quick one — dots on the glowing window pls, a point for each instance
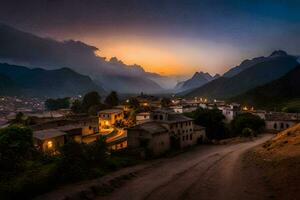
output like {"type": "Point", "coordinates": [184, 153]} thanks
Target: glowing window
{"type": "Point", "coordinates": [50, 144]}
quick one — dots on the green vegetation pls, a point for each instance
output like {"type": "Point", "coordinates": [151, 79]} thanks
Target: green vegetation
{"type": "Point", "coordinates": [25, 173]}
{"type": "Point", "coordinates": [246, 124]}
{"type": "Point", "coordinates": [165, 102]}
{"type": "Point", "coordinates": [212, 120]}
{"type": "Point", "coordinates": [90, 104]}
{"type": "Point", "coordinates": [112, 99]}
{"type": "Point", "coordinates": [56, 104]}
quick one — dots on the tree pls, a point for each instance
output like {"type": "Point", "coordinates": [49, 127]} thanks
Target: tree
{"type": "Point", "coordinates": [97, 151]}
{"type": "Point", "coordinates": [16, 145]}
{"type": "Point", "coordinates": [112, 99]}
{"type": "Point", "coordinates": [246, 120]}
{"type": "Point", "coordinates": [77, 106]}
{"type": "Point", "coordinates": [212, 120]}
{"type": "Point", "coordinates": [72, 165]}
{"type": "Point", "coordinates": [165, 102]}
{"type": "Point", "coordinates": [90, 99]}
{"type": "Point", "coordinates": [55, 104]}
{"type": "Point", "coordinates": [134, 103]}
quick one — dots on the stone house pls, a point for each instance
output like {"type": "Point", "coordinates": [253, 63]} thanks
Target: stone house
{"type": "Point", "coordinates": [142, 117]}
{"type": "Point", "coordinates": [109, 118]}
{"type": "Point", "coordinates": [49, 140]}
{"type": "Point", "coordinates": [166, 130]}
{"type": "Point", "coordinates": [278, 121]}
{"type": "Point", "coordinates": [151, 136]}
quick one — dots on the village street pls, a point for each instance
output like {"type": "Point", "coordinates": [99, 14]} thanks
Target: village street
{"type": "Point", "coordinates": [205, 172]}
{"type": "Point", "coordinates": [208, 172]}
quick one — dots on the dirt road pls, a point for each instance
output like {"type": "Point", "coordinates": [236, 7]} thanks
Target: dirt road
{"type": "Point", "coordinates": [206, 172]}
{"type": "Point", "coordinates": [213, 172]}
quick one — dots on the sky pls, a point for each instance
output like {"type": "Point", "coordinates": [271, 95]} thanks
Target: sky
{"type": "Point", "coordinates": [169, 37]}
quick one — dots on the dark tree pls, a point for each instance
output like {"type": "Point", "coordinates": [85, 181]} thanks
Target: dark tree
{"type": "Point", "coordinates": [77, 106]}
{"type": "Point", "coordinates": [212, 120]}
{"type": "Point", "coordinates": [55, 104]}
{"type": "Point", "coordinates": [16, 145]}
{"type": "Point", "coordinates": [90, 99]}
{"type": "Point", "coordinates": [249, 121]}
{"type": "Point", "coordinates": [112, 99]}
{"type": "Point", "coordinates": [165, 102]}
{"type": "Point", "coordinates": [134, 103]}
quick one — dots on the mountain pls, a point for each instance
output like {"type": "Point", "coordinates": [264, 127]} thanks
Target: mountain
{"type": "Point", "coordinates": [19, 80]}
{"type": "Point", "coordinates": [22, 48]}
{"type": "Point", "coordinates": [274, 94]}
{"type": "Point", "coordinates": [7, 85]}
{"type": "Point", "coordinates": [197, 80]}
{"type": "Point", "coordinates": [249, 63]}
{"type": "Point", "coordinates": [256, 75]}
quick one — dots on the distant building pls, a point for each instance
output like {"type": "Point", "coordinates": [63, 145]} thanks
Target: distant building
{"type": "Point", "coordinates": [109, 118]}
{"type": "Point", "coordinates": [142, 117]}
{"type": "Point", "coordinates": [184, 108]}
{"type": "Point", "coordinates": [278, 121]}
{"type": "Point", "coordinates": [230, 111]}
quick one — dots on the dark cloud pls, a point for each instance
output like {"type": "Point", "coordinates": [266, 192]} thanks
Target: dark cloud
{"type": "Point", "coordinates": [18, 47]}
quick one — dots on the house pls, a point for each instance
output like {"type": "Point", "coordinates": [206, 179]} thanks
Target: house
{"type": "Point", "coordinates": [230, 111]}
{"type": "Point", "coordinates": [278, 121]}
{"type": "Point", "coordinates": [151, 136]}
{"type": "Point", "coordinates": [165, 130]}
{"type": "Point", "coordinates": [142, 117]}
{"type": "Point", "coordinates": [109, 118]}
{"type": "Point", "coordinates": [49, 140]}
{"type": "Point", "coordinates": [184, 108]}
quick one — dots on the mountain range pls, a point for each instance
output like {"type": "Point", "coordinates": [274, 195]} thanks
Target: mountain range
{"type": "Point", "coordinates": [247, 76]}
{"type": "Point", "coordinates": [275, 94]}
{"type": "Point", "coordinates": [26, 49]}
{"type": "Point", "coordinates": [19, 80]}
{"type": "Point", "coordinates": [197, 80]}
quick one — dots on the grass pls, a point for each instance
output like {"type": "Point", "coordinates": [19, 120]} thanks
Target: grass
{"type": "Point", "coordinates": [278, 161]}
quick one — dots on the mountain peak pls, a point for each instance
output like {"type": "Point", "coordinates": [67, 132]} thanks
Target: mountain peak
{"type": "Point", "coordinates": [278, 53]}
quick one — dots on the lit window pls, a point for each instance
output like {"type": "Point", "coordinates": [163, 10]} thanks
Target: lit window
{"type": "Point", "coordinates": [50, 144]}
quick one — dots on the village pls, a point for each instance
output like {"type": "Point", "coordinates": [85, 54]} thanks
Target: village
{"type": "Point", "coordinates": [148, 125]}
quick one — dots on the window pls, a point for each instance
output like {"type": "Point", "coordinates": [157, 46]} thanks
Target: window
{"type": "Point", "coordinates": [182, 138]}
{"type": "Point", "coordinates": [281, 125]}
{"type": "Point", "coordinates": [161, 117]}
{"type": "Point", "coordinates": [187, 137]}
{"type": "Point", "coordinates": [191, 136]}
{"type": "Point", "coordinates": [287, 125]}
{"type": "Point", "coordinates": [275, 126]}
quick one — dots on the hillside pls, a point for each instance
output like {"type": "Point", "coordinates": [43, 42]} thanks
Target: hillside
{"type": "Point", "coordinates": [277, 94]}
{"type": "Point", "coordinates": [251, 62]}
{"type": "Point", "coordinates": [259, 74]}
{"type": "Point", "coordinates": [278, 161]}
{"type": "Point", "coordinates": [39, 82]}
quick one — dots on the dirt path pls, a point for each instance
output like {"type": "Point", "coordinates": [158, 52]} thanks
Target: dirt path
{"type": "Point", "coordinates": [207, 172]}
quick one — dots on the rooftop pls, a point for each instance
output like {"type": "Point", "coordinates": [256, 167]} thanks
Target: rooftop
{"type": "Point", "coordinates": [151, 127]}
{"type": "Point", "coordinates": [110, 111]}
{"type": "Point", "coordinates": [47, 134]}
{"type": "Point", "coordinates": [282, 116]}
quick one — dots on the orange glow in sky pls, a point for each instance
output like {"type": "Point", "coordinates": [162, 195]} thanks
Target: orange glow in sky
{"type": "Point", "coordinates": [166, 56]}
